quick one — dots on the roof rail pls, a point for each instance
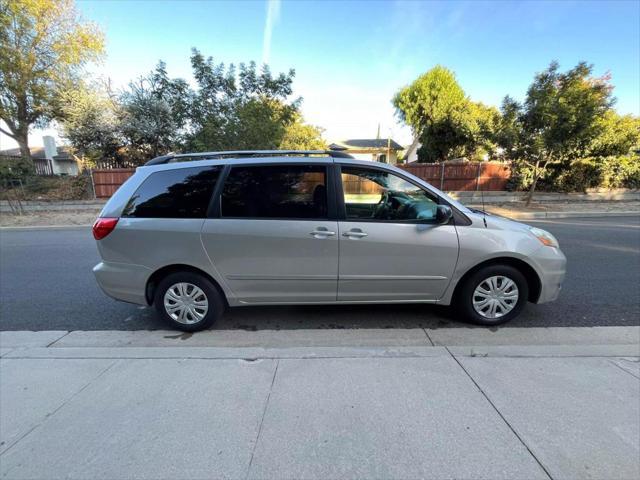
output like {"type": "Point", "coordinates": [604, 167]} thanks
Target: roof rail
{"type": "Point", "coordinates": [183, 157]}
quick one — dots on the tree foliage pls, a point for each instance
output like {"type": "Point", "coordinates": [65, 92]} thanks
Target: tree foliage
{"type": "Point", "coordinates": [91, 121]}
{"type": "Point", "coordinates": [433, 106]}
{"type": "Point", "coordinates": [228, 109]}
{"type": "Point", "coordinates": [299, 135]}
{"type": "Point", "coordinates": [153, 114]}
{"type": "Point", "coordinates": [447, 122]}
{"type": "Point", "coordinates": [564, 117]}
{"type": "Point", "coordinates": [561, 111]}
{"type": "Point", "coordinates": [44, 44]}
{"type": "Point", "coordinates": [617, 135]}
{"type": "Point", "coordinates": [248, 110]}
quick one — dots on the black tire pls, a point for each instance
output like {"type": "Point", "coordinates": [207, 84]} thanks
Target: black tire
{"type": "Point", "coordinates": [463, 301]}
{"type": "Point", "coordinates": [214, 299]}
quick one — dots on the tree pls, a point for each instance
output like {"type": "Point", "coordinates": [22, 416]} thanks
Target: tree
{"type": "Point", "coordinates": [154, 114]}
{"type": "Point", "coordinates": [482, 123]}
{"type": "Point", "coordinates": [247, 111]}
{"type": "Point", "coordinates": [44, 45]}
{"type": "Point", "coordinates": [560, 117]}
{"type": "Point", "coordinates": [433, 106]}
{"type": "Point", "coordinates": [91, 121]}
{"type": "Point", "coordinates": [446, 121]}
{"type": "Point", "coordinates": [509, 128]}
{"type": "Point", "coordinates": [617, 135]}
{"type": "Point", "coordinates": [157, 114]}
{"type": "Point", "coordinates": [301, 136]}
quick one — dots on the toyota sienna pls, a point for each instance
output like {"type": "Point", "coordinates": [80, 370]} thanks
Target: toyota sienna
{"type": "Point", "coordinates": [192, 234]}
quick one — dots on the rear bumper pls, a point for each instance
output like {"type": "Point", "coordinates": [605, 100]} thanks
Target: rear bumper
{"type": "Point", "coordinates": [552, 266]}
{"type": "Point", "coordinates": [123, 281]}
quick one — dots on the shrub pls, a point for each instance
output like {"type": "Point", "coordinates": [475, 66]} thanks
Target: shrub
{"type": "Point", "coordinates": [581, 174]}
{"type": "Point", "coordinates": [58, 188]}
{"type": "Point", "coordinates": [15, 168]}
{"type": "Point", "coordinates": [621, 172]}
{"type": "Point", "coordinates": [52, 188]}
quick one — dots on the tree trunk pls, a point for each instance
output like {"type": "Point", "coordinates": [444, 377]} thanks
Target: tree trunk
{"type": "Point", "coordinates": [23, 143]}
{"type": "Point", "coordinates": [536, 176]}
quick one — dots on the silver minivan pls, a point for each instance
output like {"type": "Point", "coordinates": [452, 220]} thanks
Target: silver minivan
{"type": "Point", "coordinates": [194, 233]}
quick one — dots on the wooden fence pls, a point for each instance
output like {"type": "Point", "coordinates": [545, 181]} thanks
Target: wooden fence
{"type": "Point", "coordinates": [483, 176]}
{"type": "Point", "coordinates": [43, 166]}
{"type": "Point", "coordinates": [106, 182]}
{"type": "Point", "coordinates": [449, 177]}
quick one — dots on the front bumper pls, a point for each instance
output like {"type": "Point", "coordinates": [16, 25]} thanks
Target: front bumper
{"type": "Point", "coordinates": [551, 265]}
{"type": "Point", "coordinates": [123, 281]}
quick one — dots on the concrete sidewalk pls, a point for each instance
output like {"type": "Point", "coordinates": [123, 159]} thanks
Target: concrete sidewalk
{"type": "Point", "coordinates": [514, 403]}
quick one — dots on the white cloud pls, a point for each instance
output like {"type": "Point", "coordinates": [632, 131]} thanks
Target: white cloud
{"type": "Point", "coordinates": [273, 14]}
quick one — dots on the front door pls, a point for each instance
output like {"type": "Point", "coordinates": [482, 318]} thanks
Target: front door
{"type": "Point", "coordinates": [391, 249]}
{"type": "Point", "coordinates": [273, 240]}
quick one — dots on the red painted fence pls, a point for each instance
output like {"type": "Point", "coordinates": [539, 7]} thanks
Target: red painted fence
{"type": "Point", "coordinates": [448, 177]}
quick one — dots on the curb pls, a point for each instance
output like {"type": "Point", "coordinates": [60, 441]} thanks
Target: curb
{"type": "Point", "coordinates": [475, 340]}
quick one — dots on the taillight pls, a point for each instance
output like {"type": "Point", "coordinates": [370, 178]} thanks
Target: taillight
{"type": "Point", "coordinates": [103, 227]}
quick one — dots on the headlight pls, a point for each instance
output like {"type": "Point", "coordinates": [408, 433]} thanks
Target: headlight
{"type": "Point", "coordinates": [545, 237]}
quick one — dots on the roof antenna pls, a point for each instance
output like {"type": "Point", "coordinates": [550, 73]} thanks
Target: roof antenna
{"type": "Point", "coordinates": [484, 212]}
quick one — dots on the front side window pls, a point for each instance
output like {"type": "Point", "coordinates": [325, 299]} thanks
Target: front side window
{"type": "Point", "coordinates": [176, 193]}
{"type": "Point", "coordinates": [379, 195]}
{"type": "Point", "coordinates": [275, 191]}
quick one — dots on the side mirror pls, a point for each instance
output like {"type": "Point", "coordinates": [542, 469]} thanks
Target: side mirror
{"type": "Point", "coordinates": [443, 214]}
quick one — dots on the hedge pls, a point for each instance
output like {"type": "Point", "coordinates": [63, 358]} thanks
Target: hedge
{"type": "Point", "coordinates": [581, 174]}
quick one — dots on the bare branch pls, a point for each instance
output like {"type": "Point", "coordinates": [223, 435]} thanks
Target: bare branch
{"type": "Point", "coordinates": [9, 134]}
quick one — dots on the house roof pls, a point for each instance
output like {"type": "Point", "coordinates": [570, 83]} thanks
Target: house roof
{"type": "Point", "coordinates": [38, 153]}
{"type": "Point", "coordinates": [367, 143]}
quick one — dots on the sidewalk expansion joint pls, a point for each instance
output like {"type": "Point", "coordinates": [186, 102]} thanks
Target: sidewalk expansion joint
{"type": "Point", "coordinates": [544, 469]}
{"type": "Point", "coordinates": [60, 338]}
{"type": "Point", "coordinates": [428, 337]}
{"type": "Point", "coordinates": [264, 413]}
{"type": "Point", "coordinates": [624, 369]}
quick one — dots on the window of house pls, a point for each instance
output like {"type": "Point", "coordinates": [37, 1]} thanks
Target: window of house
{"type": "Point", "coordinates": [275, 191]}
{"type": "Point", "coordinates": [176, 193]}
{"type": "Point", "coordinates": [378, 195]}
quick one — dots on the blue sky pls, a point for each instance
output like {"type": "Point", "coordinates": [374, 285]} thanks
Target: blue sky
{"type": "Point", "coordinates": [350, 57]}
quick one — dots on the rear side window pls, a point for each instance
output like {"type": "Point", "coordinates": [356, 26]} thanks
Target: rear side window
{"type": "Point", "coordinates": [275, 191]}
{"type": "Point", "coordinates": [178, 193]}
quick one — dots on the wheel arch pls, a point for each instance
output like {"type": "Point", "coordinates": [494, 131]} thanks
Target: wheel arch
{"type": "Point", "coordinates": [156, 277]}
{"type": "Point", "coordinates": [533, 279]}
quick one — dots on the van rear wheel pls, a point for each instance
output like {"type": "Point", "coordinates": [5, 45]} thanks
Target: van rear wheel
{"type": "Point", "coordinates": [492, 295]}
{"type": "Point", "coordinates": [188, 301]}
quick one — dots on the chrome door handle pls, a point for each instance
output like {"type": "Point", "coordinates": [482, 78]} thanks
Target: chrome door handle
{"type": "Point", "coordinates": [325, 233]}
{"type": "Point", "coordinates": [354, 234]}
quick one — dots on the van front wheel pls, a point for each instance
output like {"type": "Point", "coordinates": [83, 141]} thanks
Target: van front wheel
{"type": "Point", "coordinates": [188, 301]}
{"type": "Point", "coordinates": [492, 295]}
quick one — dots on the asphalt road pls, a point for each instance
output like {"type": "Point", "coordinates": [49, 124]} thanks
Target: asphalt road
{"type": "Point", "coordinates": [46, 283]}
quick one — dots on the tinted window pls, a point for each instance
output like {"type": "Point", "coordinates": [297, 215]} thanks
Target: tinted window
{"type": "Point", "coordinates": [275, 191]}
{"type": "Point", "coordinates": [379, 195]}
{"type": "Point", "coordinates": [179, 193]}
